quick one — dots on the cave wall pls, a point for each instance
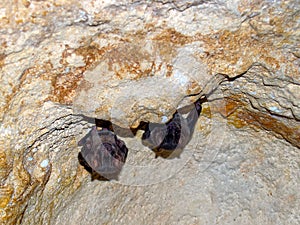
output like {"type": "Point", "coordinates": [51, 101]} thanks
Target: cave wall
{"type": "Point", "coordinates": [64, 63]}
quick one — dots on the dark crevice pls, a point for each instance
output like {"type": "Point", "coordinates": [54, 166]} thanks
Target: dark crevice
{"type": "Point", "coordinates": [123, 132]}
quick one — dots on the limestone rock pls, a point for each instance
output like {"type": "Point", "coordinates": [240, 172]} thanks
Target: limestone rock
{"type": "Point", "coordinates": [64, 63]}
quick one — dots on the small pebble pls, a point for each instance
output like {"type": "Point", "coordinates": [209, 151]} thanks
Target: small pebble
{"type": "Point", "coordinates": [44, 163]}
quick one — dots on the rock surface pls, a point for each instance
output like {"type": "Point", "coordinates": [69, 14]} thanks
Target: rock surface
{"type": "Point", "coordinates": [64, 63]}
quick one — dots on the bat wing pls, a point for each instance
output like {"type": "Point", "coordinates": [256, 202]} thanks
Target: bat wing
{"type": "Point", "coordinates": [154, 135]}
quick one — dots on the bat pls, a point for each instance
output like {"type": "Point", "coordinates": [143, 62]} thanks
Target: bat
{"type": "Point", "coordinates": [168, 140]}
{"type": "Point", "coordinates": [102, 153]}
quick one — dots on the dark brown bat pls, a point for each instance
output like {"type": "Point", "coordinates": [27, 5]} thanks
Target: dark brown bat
{"type": "Point", "coordinates": [103, 153]}
{"type": "Point", "coordinates": [168, 140]}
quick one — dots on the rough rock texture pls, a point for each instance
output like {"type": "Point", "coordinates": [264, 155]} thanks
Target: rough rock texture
{"type": "Point", "coordinates": [64, 63]}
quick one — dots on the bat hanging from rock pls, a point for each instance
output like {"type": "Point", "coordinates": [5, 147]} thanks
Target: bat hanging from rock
{"type": "Point", "coordinates": [103, 153]}
{"type": "Point", "coordinates": [168, 140]}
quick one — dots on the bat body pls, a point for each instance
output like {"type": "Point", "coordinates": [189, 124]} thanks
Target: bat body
{"type": "Point", "coordinates": [168, 140]}
{"type": "Point", "coordinates": [103, 153]}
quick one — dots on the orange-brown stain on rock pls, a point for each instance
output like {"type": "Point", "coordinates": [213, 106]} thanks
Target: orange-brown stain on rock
{"type": "Point", "coordinates": [7, 212]}
{"type": "Point", "coordinates": [224, 107]}
{"type": "Point", "coordinates": [224, 50]}
{"type": "Point", "coordinates": [172, 36]}
{"type": "Point", "coordinates": [167, 42]}
{"type": "Point", "coordinates": [238, 115]}
{"type": "Point", "coordinates": [206, 111]}
{"type": "Point", "coordinates": [5, 168]}
{"type": "Point", "coordinates": [15, 193]}
{"type": "Point", "coordinates": [129, 60]}
{"type": "Point", "coordinates": [66, 79]}
{"type": "Point", "coordinates": [5, 195]}
{"type": "Point", "coordinates": [169, 70]}
{"type": "Point", "coordinates": [134, 71]}
{"type": "Point", "coordinates": [26, 3]}
{"type": "Point", "coordinates": [270, 123]}
{"type": "Point", "coordinates": [2, 58]}
{"type": "Point", "coordinates": [91, 54]}
{"type": "Point", "coordinates": [65, 83]}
